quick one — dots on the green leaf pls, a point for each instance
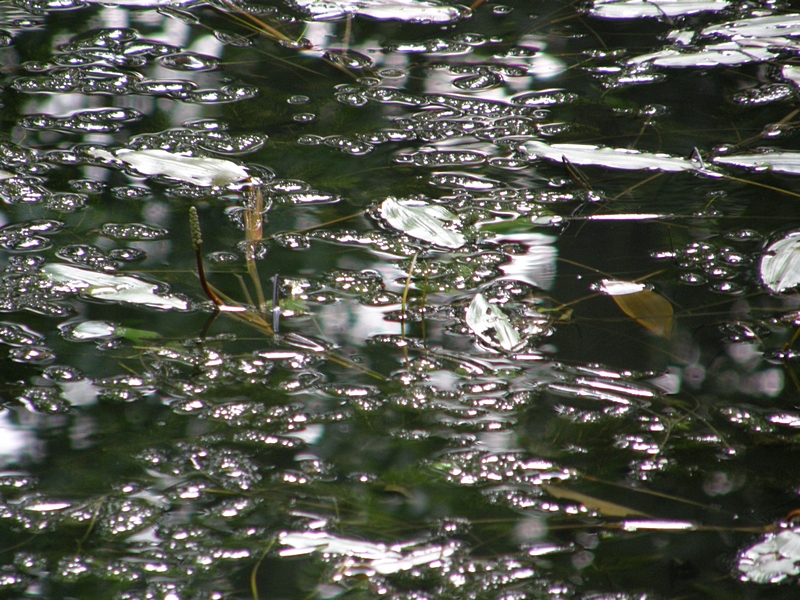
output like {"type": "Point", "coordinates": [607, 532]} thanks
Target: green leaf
{"type": "Point", "coordinates": [136, 335]}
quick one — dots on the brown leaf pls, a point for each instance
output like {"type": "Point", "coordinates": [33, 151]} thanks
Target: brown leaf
{"type": "Point", "coordinates": [650, 310]}
{"type": "Point", "coordinates": [605, 508]}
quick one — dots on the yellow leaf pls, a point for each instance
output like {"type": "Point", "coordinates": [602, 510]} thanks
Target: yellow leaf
{"type": "Point", "coordinates": [607, 509]}
{"type": "Point", "coordinates": [650, 310]}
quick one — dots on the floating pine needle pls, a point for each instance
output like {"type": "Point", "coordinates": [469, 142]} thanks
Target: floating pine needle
{"type": "Point", "coordinates": [645, 491]}
{"type": "Point", "coordinates": [768, 129]}
{"type": "Point", "coordinates": [576, 174]}
{"type": "Point", "coordinates": [259, 26]}
{"type": "Point", "coordinates": [325, 224]}
{"type": "Point", "coordinates": [404, 301]}
{"type": "Point", "coordinates": [761, 185]}
{"type": "Point", "coordinates": [276, 307]}
{"type": "Point", "coordinates": [258, 23]}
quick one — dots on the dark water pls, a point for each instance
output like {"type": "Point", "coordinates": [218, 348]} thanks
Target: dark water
{"type": "Point", "coordinates": [383, 444]}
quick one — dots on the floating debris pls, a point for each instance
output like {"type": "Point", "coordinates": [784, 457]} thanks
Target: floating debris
{"type": "Point", "coordinates": [776, 28]}
{"type": "Point", "coordinates": [612, 158]}
{"type": "Point", "coordinates": [641, 304]}
{"type": "Point", "coordinates": [748, 40]}
{"type": "Point", "coordinates": [100, 120]}
{"type": "Point", "coordinates": [114, 288]}
{"type": "Point", "coordinates": [82, 331]}
{"type": "Point", "coordinates": [764, 94]}
{"type": "Point", "coordinates": [410, 11]}
{"type": "Point", "coordinates": [423, 221]}
{"type": "Point", "coordinates": [659, 9]}
{"type": "Point", "coordinates": [778, 161]}
{"type": "Point", "coordinates": [440, 158]}
{"type": "Point", "coordinates": [791, 73]}
{"type": "Point", "coordinates": [142, 3]}
{"type": "Point", "coordinates": [726, 53]}
{"type": "Point", "coordinates": [773, 559]}
{"type": "Point", "coordinates": [361, 556]}
{"type": "Point", "coordinates": [491, 324]}
{"type": "Point", "coordinates": [197, 170]}
{"type": "Point", "coordinates": [780, 265]}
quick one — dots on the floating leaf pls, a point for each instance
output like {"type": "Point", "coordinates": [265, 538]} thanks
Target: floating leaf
{"type": "Point", "coordinates": [84, 331]}
{"type": "Point", "coordinates": [113, 288]}
{"type": "Point", "coordinates": [381, 558]}
{"type": "Point", "coordinates": [89, 331]}
{"type": "Point", "coordinates": [647, 308]}
{"type": "Point", "coordinates": [410, 11]}
{"type": "Point", "coordinates": [633, 9]}
{"type": "Point", "coordinates": [780, 264]}
{"type": "Point", "coordinates": [773, 559]}
{"type": "Point", "coordinates": [422, 220]}
{"type": "Point", "coordinates": [197, 170]}
{"type": "Point", "coordinates": [483, 318]}
{"type": "Point", "coordinates": [748, 40]}
{"type": "Point", "coordinates": [780, 162]}
{"type": "Point", "coordinates": [775, 28]}
{"type": "Point", "coordinates": [142, 3]}
{"type": "Point", "coordinates": [749, 34]}
{"type": "Point", "coordinates": [713, 55]}
{"type": "Point", "coordinates": [613, 158]}
{"type": "Point", "coordinates": [605, 508]}
{"type": "Point", "coordinates": [791, 73]}
{"type": "Point", "coordinates": [137, 335]}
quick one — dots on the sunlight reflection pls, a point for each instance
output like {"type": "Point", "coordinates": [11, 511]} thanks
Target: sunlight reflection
{"type": "Point", "coordinates": [538, 265]}
{"type": "Point", "coordinates": [17, 440]}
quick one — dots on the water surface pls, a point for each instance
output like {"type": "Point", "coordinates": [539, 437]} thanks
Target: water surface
{"type": "Point", "coordinates": [535, 277]}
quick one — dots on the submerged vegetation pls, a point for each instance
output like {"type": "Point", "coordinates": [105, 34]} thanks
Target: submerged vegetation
{"type": "Point", "coordinates": [399, 299]}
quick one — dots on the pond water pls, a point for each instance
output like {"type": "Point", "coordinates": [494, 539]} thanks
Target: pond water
{"type": "Point", "coordinates": [496, 301]}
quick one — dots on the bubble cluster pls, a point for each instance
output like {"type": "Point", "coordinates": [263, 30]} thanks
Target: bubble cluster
{"type": "Point", "coordinates": [208, 136]}
{"type": "Point", "coordinates": [23, 190]}
{"type": "Point", "coordinates": [87, 255]}
{"type": "Point", "coordinates": [67, 202]}
{"type": "Point", "coordinates": [29, 236]}
{"type": "Point", "coordinates": [133, 231]}
{"type": "Point", "coordinates": [723, 268]}
{"type": "Point", "coordinates": [105, 61]}
{"type": "Point", "coordinates": [440, 158]}
{"type": "Point", "coordinates": [101, 120]}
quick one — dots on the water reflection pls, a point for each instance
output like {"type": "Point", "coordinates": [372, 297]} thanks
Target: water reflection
{"type": "Point", "coordinates": [387, 441]}
{"type": "Point", "coordinates": [536, 265]}
{"type": "Point", "coordinates": [19, 441]}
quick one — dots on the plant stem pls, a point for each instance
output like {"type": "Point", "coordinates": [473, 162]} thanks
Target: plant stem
{"type": "Point", "coordinates": [197, 244]}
